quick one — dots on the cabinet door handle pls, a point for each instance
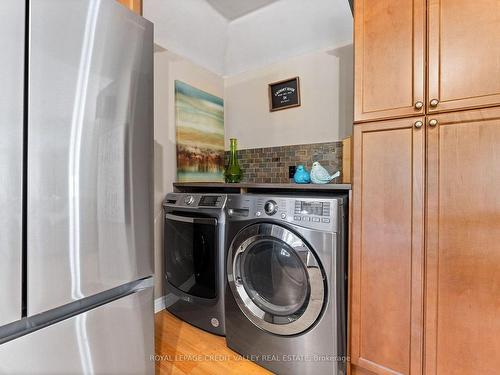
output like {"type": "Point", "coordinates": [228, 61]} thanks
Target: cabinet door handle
{"type": "Point", "coordinates": [434, 103]}
{"type": "Point", "coordinates": [433, 122]}
{"type": "Point", "coordinates": [418, 124]}
{"type": "Point", "coordinates": [419, 105]}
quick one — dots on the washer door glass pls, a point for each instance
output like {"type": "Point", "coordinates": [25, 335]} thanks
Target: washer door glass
{"type": "Point", "coordinates": [276, 280]}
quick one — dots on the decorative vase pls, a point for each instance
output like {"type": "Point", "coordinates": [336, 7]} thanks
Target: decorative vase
{"type": "Point", "coordinates": [233, 172]}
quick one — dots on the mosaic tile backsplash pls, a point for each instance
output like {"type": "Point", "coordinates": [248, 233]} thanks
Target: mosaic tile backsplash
{"type": "Point", "coordinates": [270, 164]}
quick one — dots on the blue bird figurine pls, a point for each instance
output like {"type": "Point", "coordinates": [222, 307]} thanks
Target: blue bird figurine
{"type": "Point", "coordinates": [301, 175]}
{"type": "Point", "coordinates": [320, 175]}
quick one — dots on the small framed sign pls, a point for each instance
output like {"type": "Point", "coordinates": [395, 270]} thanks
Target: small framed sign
{"type": "Point", "coordinates": [284, 94]}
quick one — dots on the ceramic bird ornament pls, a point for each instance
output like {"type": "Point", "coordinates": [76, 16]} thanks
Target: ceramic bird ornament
{"type": "Point", "coordinates": [320, 175]}
{"type": "Point", "coordinates": [301, 175]}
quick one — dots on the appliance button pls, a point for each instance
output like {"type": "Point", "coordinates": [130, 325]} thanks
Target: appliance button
{"type": "Point", "coordinates": [258, 213]}
{"type": "Point", "coordinates": [316, 219]}
{"type": "Point", "coordinates": [325, 220]}
{"type": "Point", "coordinates": [296, 218]}
{"type": "Point", "coordinates": [283, 216]}
{"type": "Point", "coordinates": [306, 218]}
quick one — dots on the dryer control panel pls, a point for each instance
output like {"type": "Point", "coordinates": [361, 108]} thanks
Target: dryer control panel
{"type": "Point", "coordinates": [195, 200]}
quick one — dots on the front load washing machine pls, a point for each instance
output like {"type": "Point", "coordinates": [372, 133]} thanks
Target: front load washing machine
{"type": "Point", "coordinates": [286, 301]}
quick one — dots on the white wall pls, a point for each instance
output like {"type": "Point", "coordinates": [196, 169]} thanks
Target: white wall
{"type": "Point", "coordinates": [190, 28]}
{"type": "Point", "coordinates": [168, 68]}
{"type": "Point", "coordinates": [326, 95]}
{"type": "Point", "coordinates": [285, 29]}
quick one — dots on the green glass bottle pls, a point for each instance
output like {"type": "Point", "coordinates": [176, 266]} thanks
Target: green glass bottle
{"type": "Point", "coordinates": [233, 173]}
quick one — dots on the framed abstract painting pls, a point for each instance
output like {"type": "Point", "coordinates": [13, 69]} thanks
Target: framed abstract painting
{"type": "Point", "coordinates": [199, 118]}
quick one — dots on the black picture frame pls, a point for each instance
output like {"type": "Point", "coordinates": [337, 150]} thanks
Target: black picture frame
{"type": "Point", "coordinates": [284, 94]}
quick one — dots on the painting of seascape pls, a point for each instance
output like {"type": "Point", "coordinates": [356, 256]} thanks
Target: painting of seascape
{"type": "Point", "coordinates": [199, 120]}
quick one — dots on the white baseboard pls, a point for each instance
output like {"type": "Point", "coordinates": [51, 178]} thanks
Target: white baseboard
{"type": "Point", "coordinates": [159, 304]}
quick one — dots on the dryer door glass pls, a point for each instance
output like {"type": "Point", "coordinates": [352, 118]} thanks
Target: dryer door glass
{"type": "Point", "coordinates": [190, 254]}
{"type": "Point", "coordinates": [276, 279]}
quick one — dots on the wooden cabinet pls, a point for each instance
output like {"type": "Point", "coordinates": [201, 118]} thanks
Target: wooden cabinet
{"type": "Point", "coordinates": [461, 159]}
{"type": "Point", "coordinates": [389, 45]}
{"type": "Point", "coordinates": [463, 54]}
{"type": "Point", "coordinates": [134, 5]}
{"type": "Point", "coordinates": [459, 156]}
{"type": "Point", "coordinates": [463, 244]}
{"type": "Point", "coordinates": [386, 283]}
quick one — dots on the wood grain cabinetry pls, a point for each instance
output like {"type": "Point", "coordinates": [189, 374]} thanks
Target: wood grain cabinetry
{"type": "Point", "coordinates": [454, 151]}
{"type": "Point", "coordinates": [389, 43]}
{"type": "Point", "coordinates": [463, 54]}
{"type": "Point", "coordinates": [134, 5]}
{"type": "Point", "coordinates": [387, 246]}
{"type": "Point", "coordinates": [463, 244]}
{"type": "Point", "coordinates": [459, 153]}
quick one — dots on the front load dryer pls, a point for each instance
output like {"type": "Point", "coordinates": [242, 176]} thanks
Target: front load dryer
{"type": "Point", "coordinates": [194, 259]}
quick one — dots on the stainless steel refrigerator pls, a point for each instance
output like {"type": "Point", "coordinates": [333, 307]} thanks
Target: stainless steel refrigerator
{"type": "Point", "coordinates": [76, 150]}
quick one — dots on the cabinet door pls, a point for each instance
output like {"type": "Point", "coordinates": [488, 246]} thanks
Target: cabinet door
{"type": "Point", "coordinates": [463, 244]}
{"type": "Point", "coordinates": [389, 40]}
{"type": "Point", "coordinates": [387, 247]}
{"type": "Point", "coordinates": [464, 54]}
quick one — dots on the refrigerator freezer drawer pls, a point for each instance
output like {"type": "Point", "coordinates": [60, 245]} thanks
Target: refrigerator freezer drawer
{"type": "Point", "coordinates": [12, 16]}
{"type": "Point", "coordinates": [115, 338]}
{"type": "Point", "coordinates": [90, 142]}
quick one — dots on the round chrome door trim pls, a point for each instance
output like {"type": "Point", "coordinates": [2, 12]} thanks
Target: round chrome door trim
{"type": "Point", "coordinates": [312, 308]}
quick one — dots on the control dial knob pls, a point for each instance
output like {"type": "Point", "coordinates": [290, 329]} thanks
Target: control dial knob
{"type": "Point", "coordinates": [271, 207]}
{"type": "Point", "coordinates": [189, 200]}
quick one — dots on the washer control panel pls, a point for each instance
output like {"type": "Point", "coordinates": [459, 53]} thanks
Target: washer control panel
{"type": "Point", "coordinates": [315, 213]}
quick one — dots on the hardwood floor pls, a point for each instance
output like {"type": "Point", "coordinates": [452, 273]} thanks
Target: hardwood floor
{"type": "Point", "coordinates": [184, 349]}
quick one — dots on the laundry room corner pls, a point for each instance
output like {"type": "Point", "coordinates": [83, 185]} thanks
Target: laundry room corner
{"type": "Point", "coordinates": [170, 67]}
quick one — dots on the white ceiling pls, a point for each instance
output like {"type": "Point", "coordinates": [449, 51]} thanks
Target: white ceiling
{"type": "Point", "coordinates": [285, 29]}
{"type": "Point", "coordinates": [232, 9]}
{"type": "Point", "coordinates": [242, 35]}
